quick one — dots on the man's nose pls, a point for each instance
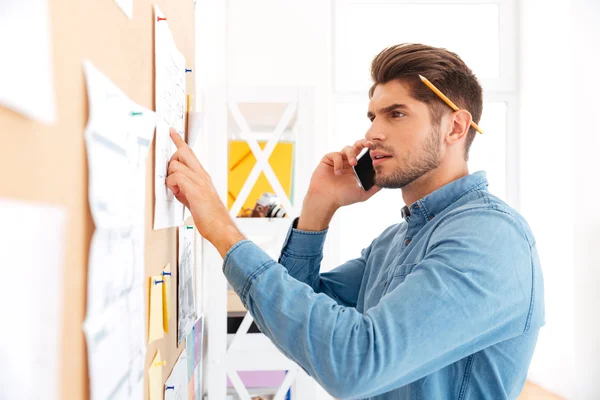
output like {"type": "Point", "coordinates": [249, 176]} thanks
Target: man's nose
{"type": "Point", "coordinates": [375, 132]}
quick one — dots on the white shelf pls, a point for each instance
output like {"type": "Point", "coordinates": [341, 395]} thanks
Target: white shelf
{"type": "Point", "coordinates": [257, 353]}
{"type": "Point", "coordinates": [273, 115]}
{"type": "Point", "coordinates": [264, 226]}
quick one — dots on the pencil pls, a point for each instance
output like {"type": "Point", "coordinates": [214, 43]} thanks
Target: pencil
{"type": "Point", "coordinates": [445, 99]}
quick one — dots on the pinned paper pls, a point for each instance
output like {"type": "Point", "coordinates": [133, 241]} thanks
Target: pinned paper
{"type": "Point", "coordinates": [155, 380]}
{"type": "Point", "coordinates": [176, 386]}
{"type": "Point", "coordinates": [155, 328]}
{"type": "Point", "coordinates": [166, 276]}
{"type": "Point", "coordinates": [193, 345]}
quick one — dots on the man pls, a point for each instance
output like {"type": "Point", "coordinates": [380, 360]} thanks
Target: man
{"type": "Point", "coordinates": [446, 304]}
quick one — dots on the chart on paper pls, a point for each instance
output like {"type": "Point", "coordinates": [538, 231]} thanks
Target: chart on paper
{"type": "Point", "coordinates": [170, 110]}
{"type": "Point", "coordinates": [186, 310]}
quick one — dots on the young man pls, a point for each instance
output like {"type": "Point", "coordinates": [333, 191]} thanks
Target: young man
{"type": "Point", "coordinates": [446, 304]}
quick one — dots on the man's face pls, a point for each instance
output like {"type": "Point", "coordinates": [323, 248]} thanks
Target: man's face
{"type": "Point", "coordinates": [406, 145]}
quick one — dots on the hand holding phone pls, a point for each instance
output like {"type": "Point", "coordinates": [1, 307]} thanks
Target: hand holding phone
{"type": "Point", "coordinates": [364, 171]}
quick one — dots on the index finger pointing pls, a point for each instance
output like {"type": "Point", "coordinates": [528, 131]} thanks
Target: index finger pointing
{"type": "Point", "coordinates": [176, 138]}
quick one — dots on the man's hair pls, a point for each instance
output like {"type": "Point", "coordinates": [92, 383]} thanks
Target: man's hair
{"type": "Point", "coordinates": [405, 62]}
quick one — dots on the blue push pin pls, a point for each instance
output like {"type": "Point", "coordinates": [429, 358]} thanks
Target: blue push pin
{"type": "Point", "coordinates": [157, 282]}
{"type": "Point", "coordinates": [188, 70]}
{"type": "Point", "coordinates": [170, 387]}
{"type": "Point", "coordinates": [166, 273]}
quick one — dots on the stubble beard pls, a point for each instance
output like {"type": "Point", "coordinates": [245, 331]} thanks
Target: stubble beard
{"type": "Point", "coordinates": [415, 165]}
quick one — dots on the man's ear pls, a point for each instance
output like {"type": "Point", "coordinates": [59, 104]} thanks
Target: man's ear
{"type": "Point", "coordinates": [460, 122]}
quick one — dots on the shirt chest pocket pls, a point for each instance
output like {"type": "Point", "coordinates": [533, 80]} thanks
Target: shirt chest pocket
{"type": "Point", "coordinates": [398, 275]}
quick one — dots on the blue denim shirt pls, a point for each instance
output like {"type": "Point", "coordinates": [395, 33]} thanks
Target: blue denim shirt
{"type": "Point", "coordinates": [444, 305]}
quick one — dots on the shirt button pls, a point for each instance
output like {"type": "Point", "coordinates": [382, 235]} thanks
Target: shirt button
{"type": "Point", "coordinates": [407, 242]}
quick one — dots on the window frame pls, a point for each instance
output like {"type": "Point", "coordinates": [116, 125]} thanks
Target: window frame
{"type": "Point", "coordinates": [503, 89]}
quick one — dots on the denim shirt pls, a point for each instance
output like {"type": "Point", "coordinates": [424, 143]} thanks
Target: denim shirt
{"type": "Point", "coordinates": [446, 304]}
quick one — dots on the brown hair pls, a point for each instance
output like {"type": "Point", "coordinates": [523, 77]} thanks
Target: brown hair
{"type": "Point", "coordinates": [443, 68]}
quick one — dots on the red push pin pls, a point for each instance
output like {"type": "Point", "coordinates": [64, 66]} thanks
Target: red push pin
{"type": "Point", "coordinates": [160, 19]}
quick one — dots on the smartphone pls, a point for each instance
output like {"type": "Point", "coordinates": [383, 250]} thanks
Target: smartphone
{"type": "Point", "coordinates": [364, 171]}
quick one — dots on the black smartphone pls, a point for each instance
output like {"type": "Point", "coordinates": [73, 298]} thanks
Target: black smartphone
{"type": "Point", "coordinates": [364, 171]}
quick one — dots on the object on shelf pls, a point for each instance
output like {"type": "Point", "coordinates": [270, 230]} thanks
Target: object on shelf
{"type": "Point", "coordinates": [267, 206]}
{"type": "Point", "coordinates": [261, 384]}
{"type": "Point", "coordinates": [241, 163]}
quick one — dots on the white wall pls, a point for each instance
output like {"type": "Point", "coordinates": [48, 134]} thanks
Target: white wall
{"type": "Point", "coordinates": [560, 192]}
{"type": "Point", "coordinates": [586, 169]}
{"type": "Point", "coordinates": [282, 43]}
{"type": "Point", "coordinates": [546, 178]}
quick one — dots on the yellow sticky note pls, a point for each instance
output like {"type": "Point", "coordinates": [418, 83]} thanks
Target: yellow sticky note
{"type": "Point", "coordinates": [190, 103]}
{"type": "Point", "coordinates": [155, 318]}
{"type": "Point", "coordinates": [166, 273]}
{"type": "Point", "coordinates": [155, 379]}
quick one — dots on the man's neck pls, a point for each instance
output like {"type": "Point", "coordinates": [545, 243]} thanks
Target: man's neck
{"type": "Point", "coordinates": [430, 182]}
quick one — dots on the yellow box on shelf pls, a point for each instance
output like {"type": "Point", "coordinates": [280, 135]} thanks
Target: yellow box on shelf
{"type": "Point", "coordinates": [242, 161]}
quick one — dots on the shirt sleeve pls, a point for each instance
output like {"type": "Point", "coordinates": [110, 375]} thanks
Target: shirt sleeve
{"type": "Point", "coordinates": [472, 290]}
{"type": "Point", "coordinates": [302, 254]}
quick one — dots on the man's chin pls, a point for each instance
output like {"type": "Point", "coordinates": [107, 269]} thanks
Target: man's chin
{"type": "Point", "coordinates": [385, 181]}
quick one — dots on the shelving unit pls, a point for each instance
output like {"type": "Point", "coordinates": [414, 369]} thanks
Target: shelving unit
{"type": "Point", "coordinates": [271, 115]}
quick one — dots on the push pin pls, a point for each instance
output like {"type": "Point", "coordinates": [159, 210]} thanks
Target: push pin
{"type": "Point", "coordinates": [166, 273]}
{"type": "Point", "coordinates": [160, 19]}
{"type": "Point", "coordinates": [134, 113]}
{"type": "Point", "coordinates": [188, 70]}
{"type": "Point", "coordinates": [170, 387]}
{"type": "Point", "coordinates": [157, 282]}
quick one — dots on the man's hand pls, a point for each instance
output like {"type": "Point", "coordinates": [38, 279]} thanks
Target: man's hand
{"type": "Point", "coordinates": [193, 187]}
{"type": "Point", "coordinates": [333, 185]}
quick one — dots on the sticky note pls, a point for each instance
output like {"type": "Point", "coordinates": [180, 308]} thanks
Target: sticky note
{"type": "Point", "coordinates": [190, 102]}
{"type": "Point", "coordinates": [155, 317]}
{"type": "Point", "coordinates": [155, 380]}
{"type": "Point", "coordinates": [166, 276]}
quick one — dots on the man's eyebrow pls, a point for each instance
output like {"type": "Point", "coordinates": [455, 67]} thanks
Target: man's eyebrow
{"type": "Point", "coordinates": [389, 108]}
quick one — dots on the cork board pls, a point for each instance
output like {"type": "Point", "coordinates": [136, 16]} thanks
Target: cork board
{"type": "Point", "coordinates": [47, 163]}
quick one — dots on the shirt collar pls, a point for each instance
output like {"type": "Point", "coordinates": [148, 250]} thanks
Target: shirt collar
{"type": "Point", "coordinates": [438, 200]}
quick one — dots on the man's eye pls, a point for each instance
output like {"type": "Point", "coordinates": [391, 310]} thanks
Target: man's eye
{"type": "Point", "coordinates": [397, 114]}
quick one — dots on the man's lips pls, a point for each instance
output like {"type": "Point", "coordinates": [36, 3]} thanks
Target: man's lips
{"type": "Point", "coordinates": [378, 157]}
{"type": "Point", "coordinates": [378, 161]}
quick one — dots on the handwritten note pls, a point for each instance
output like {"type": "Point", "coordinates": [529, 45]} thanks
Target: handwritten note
{"type": "Point", "coordinates": [186, 302]}
{"type": "Point", "coordinates": [170, 109]}
{"type": "Point", "coordinates": [117, 136]}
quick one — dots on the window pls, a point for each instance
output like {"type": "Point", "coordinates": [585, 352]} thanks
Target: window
{"type": "Point", "coordinates": [481, 32]}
